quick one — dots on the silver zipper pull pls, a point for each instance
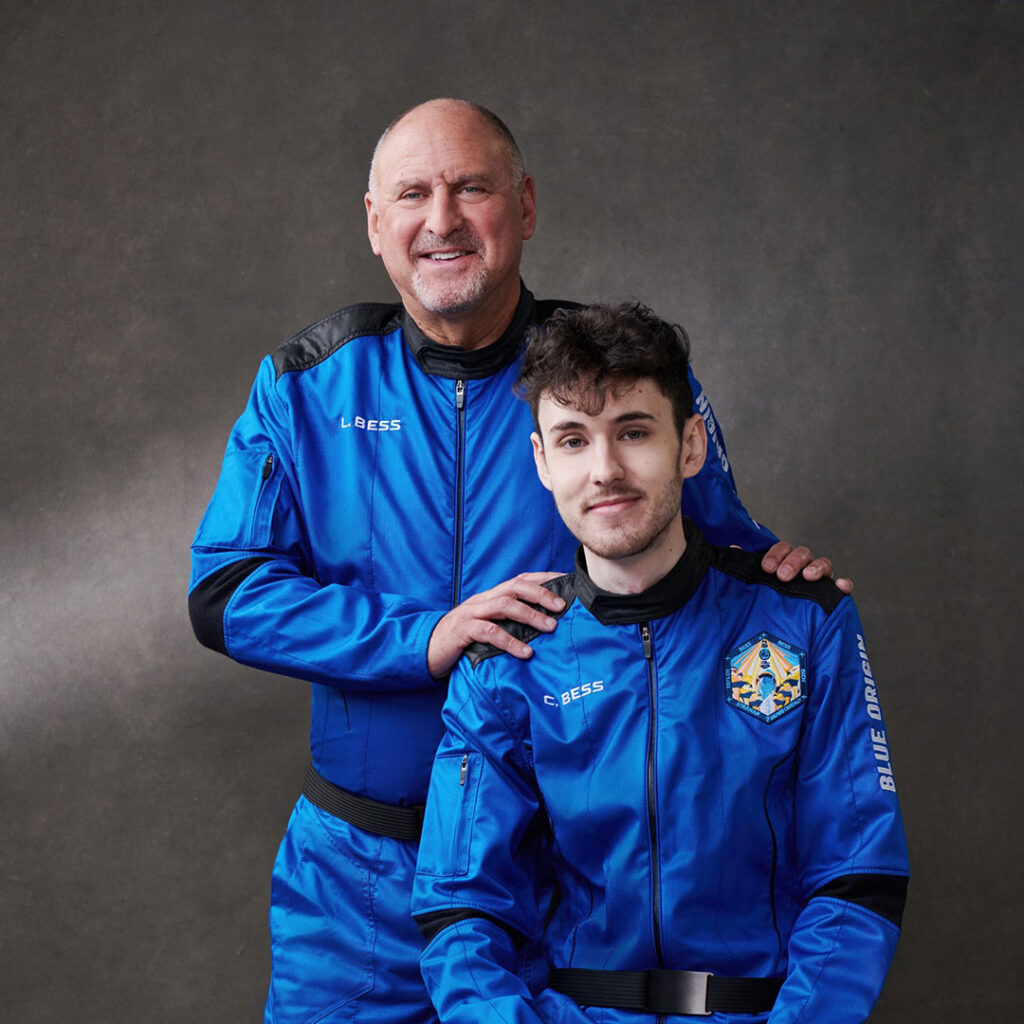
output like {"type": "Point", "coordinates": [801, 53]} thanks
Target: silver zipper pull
{"type": "Point", "coordinates": [463, 769]}
{"type": "Point", "coordinates": [645, 637]}
{"type": "Point", "coordinates": [460, 394]}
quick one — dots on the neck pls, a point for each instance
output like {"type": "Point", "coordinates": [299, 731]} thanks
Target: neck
{"type": "Point", "coordinates": [636, 573]}
{"type": "Point", "coordinates": [476, 328]}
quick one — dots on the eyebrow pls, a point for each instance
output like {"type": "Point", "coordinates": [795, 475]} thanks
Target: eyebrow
{"type": "Point", "coordinates": [463, 179]}
{"type": "Point", "coordinates": [626, 417]}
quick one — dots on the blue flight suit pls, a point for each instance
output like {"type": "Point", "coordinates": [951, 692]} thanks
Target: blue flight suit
{"type": "Point", "coordinates": [704, 771]}
{"type": "Point", "coordinates": [374, 480]}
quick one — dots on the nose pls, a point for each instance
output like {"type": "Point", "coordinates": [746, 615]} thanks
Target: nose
{"type": "Point", "coordinates": [444, 215]}
{"type": "Point", "coordinates": [605, 467]}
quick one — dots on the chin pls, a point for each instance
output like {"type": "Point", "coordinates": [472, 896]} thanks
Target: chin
{"type": "Point", "coordinates": [453, 299]}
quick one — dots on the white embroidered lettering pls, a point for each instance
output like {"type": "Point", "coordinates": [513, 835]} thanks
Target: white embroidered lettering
{"type": "Point", "coordinates": [577, 693]}
{"type": "Point", "coordinates": [377, 426]}
{"type": "Point", "coordinates": [879, 743]}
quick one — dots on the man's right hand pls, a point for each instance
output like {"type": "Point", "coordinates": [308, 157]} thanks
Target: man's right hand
{"type": "Point", "coordinates": [477, 617]}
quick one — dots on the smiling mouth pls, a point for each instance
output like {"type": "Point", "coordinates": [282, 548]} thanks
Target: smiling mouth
{"type": "Point", "coordinates": [444, 257]}
{"type": "Point", "coordinates": [613, 504]}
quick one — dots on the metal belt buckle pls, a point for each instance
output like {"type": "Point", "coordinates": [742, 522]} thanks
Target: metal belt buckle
{"type": "Point", "coordinates": [682, 992]}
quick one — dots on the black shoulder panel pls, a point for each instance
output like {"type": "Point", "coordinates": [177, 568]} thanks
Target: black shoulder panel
{"type": "Point", "coordinates": [884, 894]}
{"type": "Point", "coordinates": [207, 602]}
{"type": "Point", "coordinates": [746, 566]}
{"type": "Point", "coordinates": [315, 343]}
{"type": "Point", "coordinates": [563, 586]}
{"type": "Point", "coordinates": [545, 307]}
{"type": "Point", "coordinates": [436, 921]}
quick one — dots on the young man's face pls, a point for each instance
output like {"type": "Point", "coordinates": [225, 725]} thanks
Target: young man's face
{"type": "Point", "coordinates": [617, 477]}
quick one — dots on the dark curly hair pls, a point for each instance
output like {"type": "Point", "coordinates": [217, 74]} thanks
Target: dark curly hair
{"type": "Point", "coordinates": [580, 355]}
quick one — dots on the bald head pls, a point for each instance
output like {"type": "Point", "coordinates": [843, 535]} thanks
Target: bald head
{"type": "Point", "coordinates": [489, 123]}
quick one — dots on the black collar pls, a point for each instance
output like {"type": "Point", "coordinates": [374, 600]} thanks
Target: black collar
{"type": "Point", "coordinates": [458, 364]}
{"type": "Point", "coordinates": [671, 592]}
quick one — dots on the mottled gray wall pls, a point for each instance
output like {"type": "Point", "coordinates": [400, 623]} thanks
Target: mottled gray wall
{"type": "Point", "coordinates": [829, 196]}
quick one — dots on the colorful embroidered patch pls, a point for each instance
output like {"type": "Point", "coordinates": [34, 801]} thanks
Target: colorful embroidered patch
{"type": "Point", "coordinates": [766, 677]}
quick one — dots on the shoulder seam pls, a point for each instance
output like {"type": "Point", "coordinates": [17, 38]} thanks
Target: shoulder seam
{"type": "Point", "coordinates": [746, 567]}
{"type": "Point", "coordinates": [315, 343]}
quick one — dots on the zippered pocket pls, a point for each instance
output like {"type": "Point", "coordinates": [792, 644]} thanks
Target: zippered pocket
{"type": "Point", "coordinates": [267, 489]}
{"type": "Point", "coordinates": [240, 514]}
{"type": "Point", "coordinates": [451, 809]}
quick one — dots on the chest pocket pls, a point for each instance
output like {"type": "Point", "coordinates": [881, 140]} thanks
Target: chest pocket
{"type": "Point", "coordinates": [454, 788]}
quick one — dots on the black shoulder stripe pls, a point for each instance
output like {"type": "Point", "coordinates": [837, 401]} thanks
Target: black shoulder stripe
{"type": "Point", "coordinates": [207, 602]}
{"type": "Point", "coordinates": [884, 894]}
{"type": "Point", "coordinates": [563, 586]}
{"type": "Point", "coordinates": [545, 307]}
{"type": "Point", "coordinates": [315, 343]}
{"type": "Point", "coordinates": [746, 566]}
{"type": "Point", "coordinates": [436, 921]}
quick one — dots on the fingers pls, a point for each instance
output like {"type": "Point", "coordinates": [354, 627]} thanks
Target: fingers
{"type": "Point", "coordinates": [787, 562]}
{"type": "Point", "coordinates": [476, 620]}
{"type": "Point", "coordinates": [527, 587]}
{"type": "Point", "coordinates": [818, 569]}
{"type": "Point", "coordinates": [774, 556]}
{"type": "Point", "coordinates": [514, 600]}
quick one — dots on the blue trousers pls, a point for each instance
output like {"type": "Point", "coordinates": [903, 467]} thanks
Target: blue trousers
{"type": "Point", "coordinates": [343, 944]}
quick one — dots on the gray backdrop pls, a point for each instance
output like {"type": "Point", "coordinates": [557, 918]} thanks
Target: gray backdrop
{"type": "Point", "coordinates": [828, 196]}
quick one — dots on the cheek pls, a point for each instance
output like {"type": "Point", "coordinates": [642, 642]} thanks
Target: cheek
{"type": "Point", "coordinates": [396, 232]}
{"type": "Point", "coordinates": [501, 232]}
{"type": "Point", "coordinates": [568, 480]}
{"type": "Point", "coordinates": [665, 463]}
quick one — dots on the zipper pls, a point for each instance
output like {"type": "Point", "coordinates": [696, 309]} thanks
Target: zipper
{"type": "Point", "coordinates": [265, 474]}
{"type": "Point", "coordinates": [463, 769]}
{"type": "Point", "coordinates": [652, 813]}
{"type": "Point", "coordinates": [460, 445]}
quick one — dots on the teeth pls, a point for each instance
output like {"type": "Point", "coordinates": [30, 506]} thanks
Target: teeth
{"type": "Point", "coordinates": [446, 255]}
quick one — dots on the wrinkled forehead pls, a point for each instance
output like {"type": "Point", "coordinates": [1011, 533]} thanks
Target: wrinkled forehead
{"type": "Point", "coordinates": [443, 142]}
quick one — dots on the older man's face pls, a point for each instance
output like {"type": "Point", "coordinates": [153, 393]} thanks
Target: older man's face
{"type": "Point", "coordinates": [446, 218]}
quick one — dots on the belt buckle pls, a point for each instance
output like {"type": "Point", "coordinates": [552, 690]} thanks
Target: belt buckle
{"type": "Point", "coordinates": [678, 992]}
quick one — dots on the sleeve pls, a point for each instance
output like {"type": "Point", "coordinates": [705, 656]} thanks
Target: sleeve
{"type": "Point", "coordinates": [253, 594]}
{"type": "Point", "coordinates": [710, 498]}
{"type": "Point", "coordinates": [475, 897]}
{"type": "Point", "coordinates": [851, 845]}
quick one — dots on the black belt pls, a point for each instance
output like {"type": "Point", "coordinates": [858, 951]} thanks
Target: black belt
{"type": "Point", "coordinates": [692, 992]}
{"type": "Point", "coordinates": [369, 815]}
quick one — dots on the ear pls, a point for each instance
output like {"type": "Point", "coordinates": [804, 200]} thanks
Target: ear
{"type": "Point", "coordinates": [371, 224]}
{"type": "Point", "coordinates": [528, 198]}
{"type": "Point", "coordinates": [694, 447]}
{"type": "Point", "coordinates": [539, 460]}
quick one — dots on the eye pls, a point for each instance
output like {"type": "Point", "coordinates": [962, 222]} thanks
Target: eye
{"type": "Point", "coordinates": [634, 434]}
{"type": "Point", "coordinates": [571, 444]}
{"type": "Point", "coordinates": [411, 195]}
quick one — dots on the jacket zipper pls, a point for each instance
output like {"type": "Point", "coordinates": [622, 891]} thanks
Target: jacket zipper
{"type": "Point", "coordinates": [460, 444]}
{"type": "Point", "coordinates": [652, 813]}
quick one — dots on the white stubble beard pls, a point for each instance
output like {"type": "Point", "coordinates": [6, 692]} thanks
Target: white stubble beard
{"type": "Point", "coordinates": [446, 298]}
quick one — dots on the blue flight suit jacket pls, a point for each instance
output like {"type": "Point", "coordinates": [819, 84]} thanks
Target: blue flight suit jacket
{"type": "Point", "coordinates": [703, 771]}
